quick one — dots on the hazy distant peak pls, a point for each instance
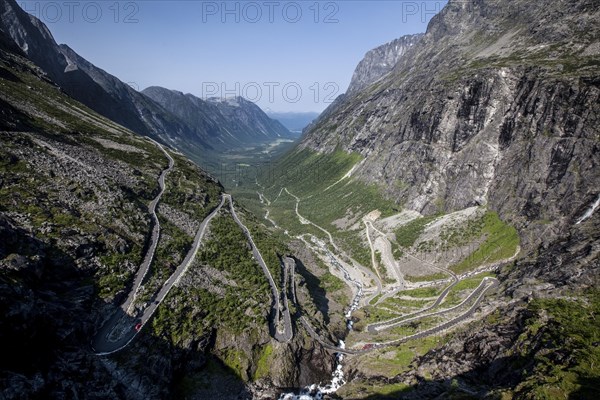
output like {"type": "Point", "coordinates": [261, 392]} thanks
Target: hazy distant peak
{"type": "Point", "coordinates": [230, 121]}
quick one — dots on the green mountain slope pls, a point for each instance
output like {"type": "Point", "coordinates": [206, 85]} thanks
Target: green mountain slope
{"type": "Point", "coordinates": [75, 190]}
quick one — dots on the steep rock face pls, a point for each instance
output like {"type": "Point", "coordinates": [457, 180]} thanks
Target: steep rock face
{"type": "Point", "coordinates": [227, 122]}
{"type": "Point", "coordinates": [32, 37]}
{"type": "Point", "coordinates": [497, 105]}
{"type": "Point", "coordinates": [247, 118]}
{"type": "Point", "coordinates": [489, 107]}
{"type": "Point", "coordinates": [123, 104]}
{"type": "Point", "coordinates": [380, 61]}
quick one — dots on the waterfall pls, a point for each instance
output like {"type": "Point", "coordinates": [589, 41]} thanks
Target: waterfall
{"type": "Point", "coordinates": [589, 211]}
{"type": "Point", "coordinates": [316, 392]}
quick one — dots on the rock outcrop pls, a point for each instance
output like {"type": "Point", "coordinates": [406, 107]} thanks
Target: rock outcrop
{"type": "Point", "coordinates": [89, 84]}
{"type": "Point", "coordinates": [489, 107]}
{"type": "Point", "coordinates": [75, 190]}
{"type": "Point", "coordinates": [496, 105]}
{"type": "Point", "coordinates": [380, 61]}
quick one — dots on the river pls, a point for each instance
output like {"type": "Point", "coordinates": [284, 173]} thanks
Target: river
{"type": "Point", "coordinates": [316, 391]}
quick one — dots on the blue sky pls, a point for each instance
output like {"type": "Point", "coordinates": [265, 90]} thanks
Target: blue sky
{"type": "Point", "coordinates": [284, 55]}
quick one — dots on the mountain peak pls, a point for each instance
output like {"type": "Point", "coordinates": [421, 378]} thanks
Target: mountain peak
{"type": "Point", "coordinates": [32, 37]}
{"type": "Point", "coordinates": [233, 101]}
{"type": "Point", "coordinates": [159, 90]}
{"type": "Point", "coordinates": [380, 61]}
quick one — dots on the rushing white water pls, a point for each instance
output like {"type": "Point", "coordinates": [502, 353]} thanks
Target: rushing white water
{"type": "Point", "coordinates": [316, 392]}
{"type": "Point", "coordinates": [359, 292]}
{"type": "Point", "coordinates": [589, 211]}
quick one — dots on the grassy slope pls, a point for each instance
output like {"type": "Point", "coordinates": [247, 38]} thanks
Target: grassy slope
{"type": "Point", "coordinates": [501, 242]}
{"type": "Point", "coordinates": [239, 310]}
{"type": "Point", "coordinates": [308, 175]}
{"type": "Point", "coordinates": [226, 251]}
{"type": "Point", "coordinates": [51, 116]}
{"type": "Point", "coordinates": [559, 348]}
{"type": "Point", "coordinates": [58, 205]}
{"type": "Point", "coordinates": [58, 117]}
{"type": "Point", "coordinates": [65, 204]}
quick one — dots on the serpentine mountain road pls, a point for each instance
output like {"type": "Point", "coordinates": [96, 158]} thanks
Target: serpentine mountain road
{"type": "Point", "coordinates": [287, 333]}
{"type": "Point", "coordinates": [486, 285]}
{"type": "Point", "coordinates": [369, 347]}
{"type": "Point", "coordinates": [103, 343]}
{"type": "Point", "coordinates": [365, 271]}
{"type": "Point", "coordinates": [373, 328]}
{"type": "Point", "coordinates": [120, 329]}
{"type": "Point", "coordinates": [478, 294]}
{"type": "Point", "coordinates": [145, 266]}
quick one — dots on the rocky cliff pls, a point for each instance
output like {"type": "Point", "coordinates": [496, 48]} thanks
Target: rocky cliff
{"type": "Point", "coordinates": [497, 105]}
{"type": "Point", "coordinates": [489, 107]}
{"type": "Point", "coordinates": [380, 61]}
{"type": "Point", "coordinates": [91, 85]}
{"type": "Point", "coordinates": [536, 341]}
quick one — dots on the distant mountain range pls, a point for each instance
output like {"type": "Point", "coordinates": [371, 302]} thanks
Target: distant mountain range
{"type": "Point", "coordinates": [201, 129]}
{"type": "Point", "coordinates": [494, 110]}
{"type": "Point", "coordinates": [229, 122]}
{"type": "Point", "coordinates": [294, 121]}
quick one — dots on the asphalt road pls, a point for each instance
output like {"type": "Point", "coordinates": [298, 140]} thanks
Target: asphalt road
{"type": "Point", "coordinates": [120, 320]}
{"type": "Point", "coordinates": [446, 325]}
{"type": "Point", "coordinates": [365, 271]}
{"type": "Point", "coordinates": [140, 276]}
{"type": "Point", "coordinates": [486, 285]}
{"type": "Point", "coordinates": [120, 330]}
{"type": "Point", "coordinates": [386, 255]}
{"type": "Point", "coordinates": [480, 292]}
{"type": "Point", "coordinates": [373, 258]}
{"type": "Point", "coordinates": [428, 332]}
{"type": "Point", "coordinates": [438, 301]}
{"type": "Point", "coordinates": [379, 326]}
{"type": "Point", "coordinates": [453, 277]}
{"type": "Point", "coordinates": [289, 265]}
{"type": "Point", "coordinates": [276, 307]}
